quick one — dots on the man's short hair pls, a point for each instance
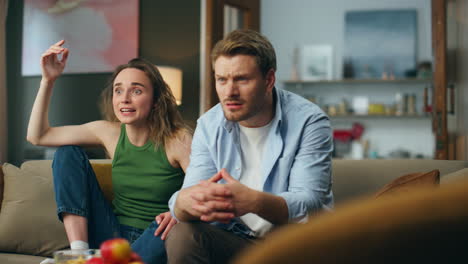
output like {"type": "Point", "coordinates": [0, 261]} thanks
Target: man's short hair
{"type": "Point", "coordinates": [247, 42]}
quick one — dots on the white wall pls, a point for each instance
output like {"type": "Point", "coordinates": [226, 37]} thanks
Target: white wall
{"type": "Point", "coordinates": [294, 23]}
{"type": "Point", "coordinates": [290, 23]}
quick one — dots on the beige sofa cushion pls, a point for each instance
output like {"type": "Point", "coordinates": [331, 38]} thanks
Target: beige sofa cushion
{"type": "Point", "coordinates": [455, 176]}
{"type": "Point", "coordinates": [1, 185]}
{"type": "Point", "coordinates": [6, 258]}
{"type": "Point", "coordinates": [355, 178]}
{"type": "Point", "coordinates": [28, 219]}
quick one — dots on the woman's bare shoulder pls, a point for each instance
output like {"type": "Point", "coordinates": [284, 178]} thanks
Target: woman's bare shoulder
{"type": "Point", "coordinates": [103, 126]}
{"type": "Point", "coordinates": [104, 129]}
{"type": "Point", "coordinates": [182, 137]}
{"type": "Point", "coordinates": [179, 146]}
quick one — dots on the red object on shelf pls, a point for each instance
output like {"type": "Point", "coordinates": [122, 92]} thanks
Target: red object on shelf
{"type": "Point", "coordinates": [342, 135]}
{"type": "Point", "coordinates": [428, 109]}
{"type": "Point", "coordinates": [347, 135]}
{"type": "Point", "coordinates": [357, 130]}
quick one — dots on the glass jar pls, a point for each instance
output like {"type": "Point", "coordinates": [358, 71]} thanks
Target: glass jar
{"type": "Point", "coordinates": [75, 256]}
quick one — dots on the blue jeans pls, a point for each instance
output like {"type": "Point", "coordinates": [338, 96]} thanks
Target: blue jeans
{"type": "Point", "coordinates": [77, 192]}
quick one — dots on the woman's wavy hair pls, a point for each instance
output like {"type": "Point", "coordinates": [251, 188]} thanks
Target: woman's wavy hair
{"type": "Point", "coordinates": [164, 119]}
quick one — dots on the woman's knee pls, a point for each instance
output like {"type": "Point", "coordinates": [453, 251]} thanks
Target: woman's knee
{"type": "Point", "coordinates": [70, 164]}
{"type": "Point", "coordinates": [68, 155]}
{"type": "Point", "coordinates": [68, 151]}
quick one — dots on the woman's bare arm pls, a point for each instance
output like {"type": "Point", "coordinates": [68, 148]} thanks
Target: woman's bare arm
{"type": "Point", "coordinates": [39, 131]}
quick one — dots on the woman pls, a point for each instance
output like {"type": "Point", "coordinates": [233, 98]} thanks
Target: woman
{"type": "Point", "coordinates": [148, 143]}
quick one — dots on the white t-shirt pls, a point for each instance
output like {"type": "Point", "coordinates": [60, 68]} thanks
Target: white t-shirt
{"type": "Point", "coordinates": [252, 142]}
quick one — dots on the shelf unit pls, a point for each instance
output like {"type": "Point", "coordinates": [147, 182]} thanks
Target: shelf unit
{"type": "Point", "coordinates": [385, 133]}
{"type": "Point", "coordinates": [358, 81]}
{"type": "Point", "coordinates": [379, 116]}
{"type": "Point", "coordinates": [378, 90]}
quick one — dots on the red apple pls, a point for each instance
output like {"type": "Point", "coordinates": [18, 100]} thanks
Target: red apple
{"type": "Point", "coordinates": [135, 257]}
{"type": "Point", "coordinates": [116, 251]}
{"type": "Point", "coordinates": [95, 260]}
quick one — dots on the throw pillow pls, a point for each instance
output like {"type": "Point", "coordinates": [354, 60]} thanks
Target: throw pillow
{"type": "Point", "coordinates": [28, 218]}
{"type": "Point", "coordinates": [408, 182]}
{"type": "Point", "coordinates": [103, 173]}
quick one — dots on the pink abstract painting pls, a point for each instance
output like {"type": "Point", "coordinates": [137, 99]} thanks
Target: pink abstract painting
{"type": "Point", "coordinates": [100, 34]}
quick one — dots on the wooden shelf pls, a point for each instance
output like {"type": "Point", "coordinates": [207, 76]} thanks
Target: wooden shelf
{"type": "Point", "coordinates": [351, 116]}
{"type": "Point", "coordinates": [358, 81]}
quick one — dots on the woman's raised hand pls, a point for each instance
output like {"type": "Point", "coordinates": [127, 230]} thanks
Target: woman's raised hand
{"type": "Point", "coordinates": [51, 66]}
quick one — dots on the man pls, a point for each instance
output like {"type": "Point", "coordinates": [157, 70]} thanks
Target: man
{"type": "Point", "coordinates": [260, 158]}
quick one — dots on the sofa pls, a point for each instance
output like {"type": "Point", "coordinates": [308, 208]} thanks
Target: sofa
{"type": "Point", "coordinates": [419, 217]}
{"type": "Point", "coordinates": [30, 230]}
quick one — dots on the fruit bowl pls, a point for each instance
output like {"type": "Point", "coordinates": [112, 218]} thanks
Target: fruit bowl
{"type": "Point", "coordinates": [75, 256]}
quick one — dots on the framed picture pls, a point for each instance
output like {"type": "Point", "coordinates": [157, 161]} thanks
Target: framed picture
{"type": "Point", "coordinates": [316, 62]}
{"type": "Point", "coordinates": [99, 35]}
{"type": "Point", "coordinates": [379, 44]}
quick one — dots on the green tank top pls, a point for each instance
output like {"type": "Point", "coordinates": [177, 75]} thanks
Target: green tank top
{"type": "Point", "coordinates": [143, 180]}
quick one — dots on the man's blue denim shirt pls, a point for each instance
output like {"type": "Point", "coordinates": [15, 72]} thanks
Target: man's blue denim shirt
{"type": "Point", "coordinates": [296, 162]}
